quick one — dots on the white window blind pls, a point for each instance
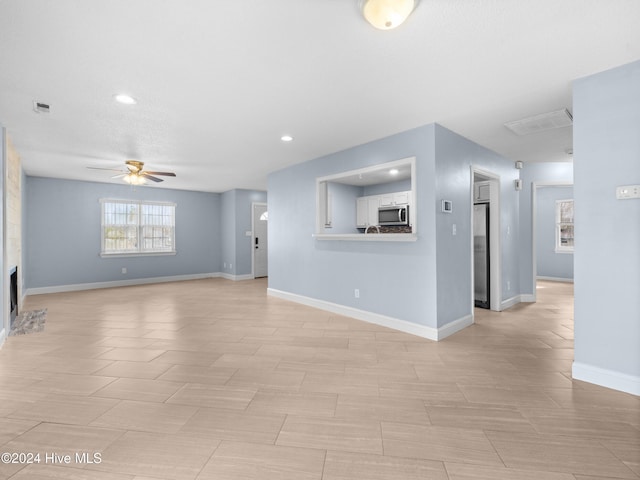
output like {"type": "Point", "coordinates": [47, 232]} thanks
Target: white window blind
{"type": "Point", "coordinates": [137, 228]}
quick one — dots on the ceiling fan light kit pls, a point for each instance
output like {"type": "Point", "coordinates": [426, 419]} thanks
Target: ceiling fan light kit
{"type": "Point", "coordinates": [387, 14]}
{"type": "Point", "coordinates": [134, 179]}
{"type": "Point", "coordinates": [135, 175]}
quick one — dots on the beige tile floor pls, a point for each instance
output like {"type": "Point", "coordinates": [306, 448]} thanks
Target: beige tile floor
{"type": "Point", "coordinates": [212, 379]}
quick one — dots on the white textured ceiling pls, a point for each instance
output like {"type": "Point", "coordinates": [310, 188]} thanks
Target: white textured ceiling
{"type": "Point", "coordinates": [218, 82]}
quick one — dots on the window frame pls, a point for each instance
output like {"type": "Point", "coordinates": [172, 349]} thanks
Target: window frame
{"type": "Point", "coordinates": [559, 248]}
{"type": "Point", "coordinates": [139, 228]}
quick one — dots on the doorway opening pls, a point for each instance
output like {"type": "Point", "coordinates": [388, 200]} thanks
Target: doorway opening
{"type": "Point", "coordinates": [485, 240]}
{"type": "Point", "coordinates": [550, 261]}
{"type": "Point", "coordinates": [259, 240]}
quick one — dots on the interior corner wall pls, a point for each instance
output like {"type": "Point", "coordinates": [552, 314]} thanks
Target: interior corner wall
{"type": "Point", "coordinates": [607, 253]}
{"type": "Point", "coordinates": [395, 279]}
{"type": "Point", "coordinates": [455, 155]}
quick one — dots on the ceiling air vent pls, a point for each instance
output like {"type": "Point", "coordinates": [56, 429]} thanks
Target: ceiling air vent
{"type": "Point", "coordinates": [542, 122]}
{"type": "Point", "coordinates": [40, 107]}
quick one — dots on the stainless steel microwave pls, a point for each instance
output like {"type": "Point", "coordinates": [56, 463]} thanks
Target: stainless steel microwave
{"type": "Point", "coordinates": [395, 215]}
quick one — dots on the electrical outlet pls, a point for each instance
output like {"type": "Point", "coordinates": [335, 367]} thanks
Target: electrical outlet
{"type": "Point", "coordinates": [454, 230]}
{"type": "Point", "coordinates": [124, 270]}
{"type": "Point", "coordinates": [508, 285]}
{"type": "Point", "coordinates": [230, 266]}
{"type": "Point", "coordinates": [225, 265]}
{"type": "Point", "coordinates": [356, 293]}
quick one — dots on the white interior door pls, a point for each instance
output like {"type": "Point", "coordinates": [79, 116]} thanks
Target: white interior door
{"type": "Point", "coordinates": [259, 246]}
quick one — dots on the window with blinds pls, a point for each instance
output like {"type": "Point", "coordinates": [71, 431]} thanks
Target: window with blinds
{"type": "Point", "coordinates": [564, 226]}
{"type": "Point", "coordinates": [137, 228]}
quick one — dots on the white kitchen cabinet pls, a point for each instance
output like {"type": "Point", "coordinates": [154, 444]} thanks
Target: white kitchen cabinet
{"type": "Point", "coordinates": [362, 212]}
{"type": "Point", "coordinates": [396, 198]}
{"type": "Point", "coordinates": [373, 205]}
{"type": "Point", "coordinates": [401, 198]}
{"type": "Point", "coordinates": [367, 207]}
{"type": "Point", "coordinates": [367, 211]}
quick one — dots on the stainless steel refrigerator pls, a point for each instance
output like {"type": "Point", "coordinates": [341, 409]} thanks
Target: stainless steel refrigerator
{"type": "Point", "coordinates": [481, 272]}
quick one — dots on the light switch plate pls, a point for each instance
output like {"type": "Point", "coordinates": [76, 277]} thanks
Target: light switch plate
{"type": "Point", "coordinates": [626, 192]}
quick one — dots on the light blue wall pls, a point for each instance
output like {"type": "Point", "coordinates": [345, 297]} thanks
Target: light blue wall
{"type": "Point", "coordinates": [228, 232]}
{"type": "Point", "coordinates": [455, 155]}
{"type": "Point", "coordinates": [343, 207]}
{"type": "Point", "coordinates": [607, 252]}
{"type": "Point", "coordinates": [62, 240]}
{"type": "Point", "coordinates": [396, 279]}
{"type": "Point", "coordinates": [540, 173]}
{"type": "Point", "coordinates": [427, 282]}
{"type": "Point", "coordinates": [23, 232]}
{"type": "Point", "coordinates": [549, 263]}
{"type": "Point", "coordinates": [390, 187]}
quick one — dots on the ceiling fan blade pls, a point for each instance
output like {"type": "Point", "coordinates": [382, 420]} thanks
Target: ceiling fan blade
{"type": "Point", "coordinates": [168, 174]}
{"type": "Point", "coordinates": [120, 175]}
{"type": "Point", "coordinates": [146, 175]}
{"type": "Point", "coordinates": [109, 169]}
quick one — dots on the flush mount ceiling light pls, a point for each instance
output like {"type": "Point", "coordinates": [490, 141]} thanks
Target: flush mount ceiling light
{"type": "Point", "coordinates": [286, 138]}
{"type": "Point", "coordinates": [125, 99]}
{"type": "Point", "coordinates": [394, 171]}
{"type": "Point", "coordinates": [387, 14]}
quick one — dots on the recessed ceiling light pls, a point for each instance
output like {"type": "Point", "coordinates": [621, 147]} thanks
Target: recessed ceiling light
{"type": "Point", "coordinates": [125, 99]}
{"type": "Point", "coordinates": [286, 138]}
{"type": "Point", "coordinates": [394, 171]}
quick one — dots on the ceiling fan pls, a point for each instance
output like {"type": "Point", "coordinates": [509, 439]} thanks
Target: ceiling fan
{"type": "Point", "coordinates": [135, 175]}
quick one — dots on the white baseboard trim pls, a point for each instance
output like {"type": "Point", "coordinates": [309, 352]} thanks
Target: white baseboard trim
{"type": "Point", "coordinates": [375, 318]}
{"type": "Point", "coordinates": [522, 298]}
{"type": "Point", "coordinates": [236, 278]}
{"type": "Point", "coordinates": [118, 283]}
{"type": "Point", "coordinates": [555, 279]}
{"type": "Point", "coordinates": [509, 302]}
{"type": "Point", "coordinates": [606, 378]}
{"type": "Point", "coordinates": [455, 326]}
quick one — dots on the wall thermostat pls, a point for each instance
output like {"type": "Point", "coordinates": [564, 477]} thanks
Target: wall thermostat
{"type": "Point", "coordinates": [628, 191]}
{"type": "Point", "coordinates": [447, 206]}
